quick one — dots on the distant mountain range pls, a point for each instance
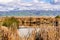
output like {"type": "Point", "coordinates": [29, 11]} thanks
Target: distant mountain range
{"type": "Point", "coordinates": [29, 13]}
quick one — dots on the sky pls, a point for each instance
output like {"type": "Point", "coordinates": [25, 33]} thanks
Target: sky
{"type": "Point", "coordinates": [8, 5]}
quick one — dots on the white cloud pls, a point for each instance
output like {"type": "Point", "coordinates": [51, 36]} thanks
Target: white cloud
{"type": "Point", "coordinates": [5, 8]}
{"type": "Point", "coordinates": [57, 1]}
{"type": "Point", "coordinates": [25, 4]}
{"type": "Point", "coordinates": [35, 5]}
{"type": "Point", "coordinates": [5, 1]}
{"type": "Point", "coordinates": [36, 1]}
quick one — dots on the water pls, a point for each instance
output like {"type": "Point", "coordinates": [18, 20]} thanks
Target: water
{"type": "Point", "coordinates": [26, 32]}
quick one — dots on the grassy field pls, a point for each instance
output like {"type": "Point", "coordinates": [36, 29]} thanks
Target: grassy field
{"type": "Point", "coordinates": [32, 28]}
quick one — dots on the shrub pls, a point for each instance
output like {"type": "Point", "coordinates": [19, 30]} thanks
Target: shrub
{"type": "Point", "coordinates": [57, 16]}
{"type": "Point", "coordinates": [11, 22]}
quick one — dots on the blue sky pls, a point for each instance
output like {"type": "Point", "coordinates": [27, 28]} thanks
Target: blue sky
{"type": "Point", "coordinates": [46, 0]}
{"type": "Point", "coordinates": [7, 5]}
{"type": "Point", "coordinates": [26, 0]}
{"type": "Point", "coordinates": [38, 0]}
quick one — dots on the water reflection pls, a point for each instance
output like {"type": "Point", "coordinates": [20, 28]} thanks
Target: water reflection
{"type": "Point", "coordinates": [26, 32]}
